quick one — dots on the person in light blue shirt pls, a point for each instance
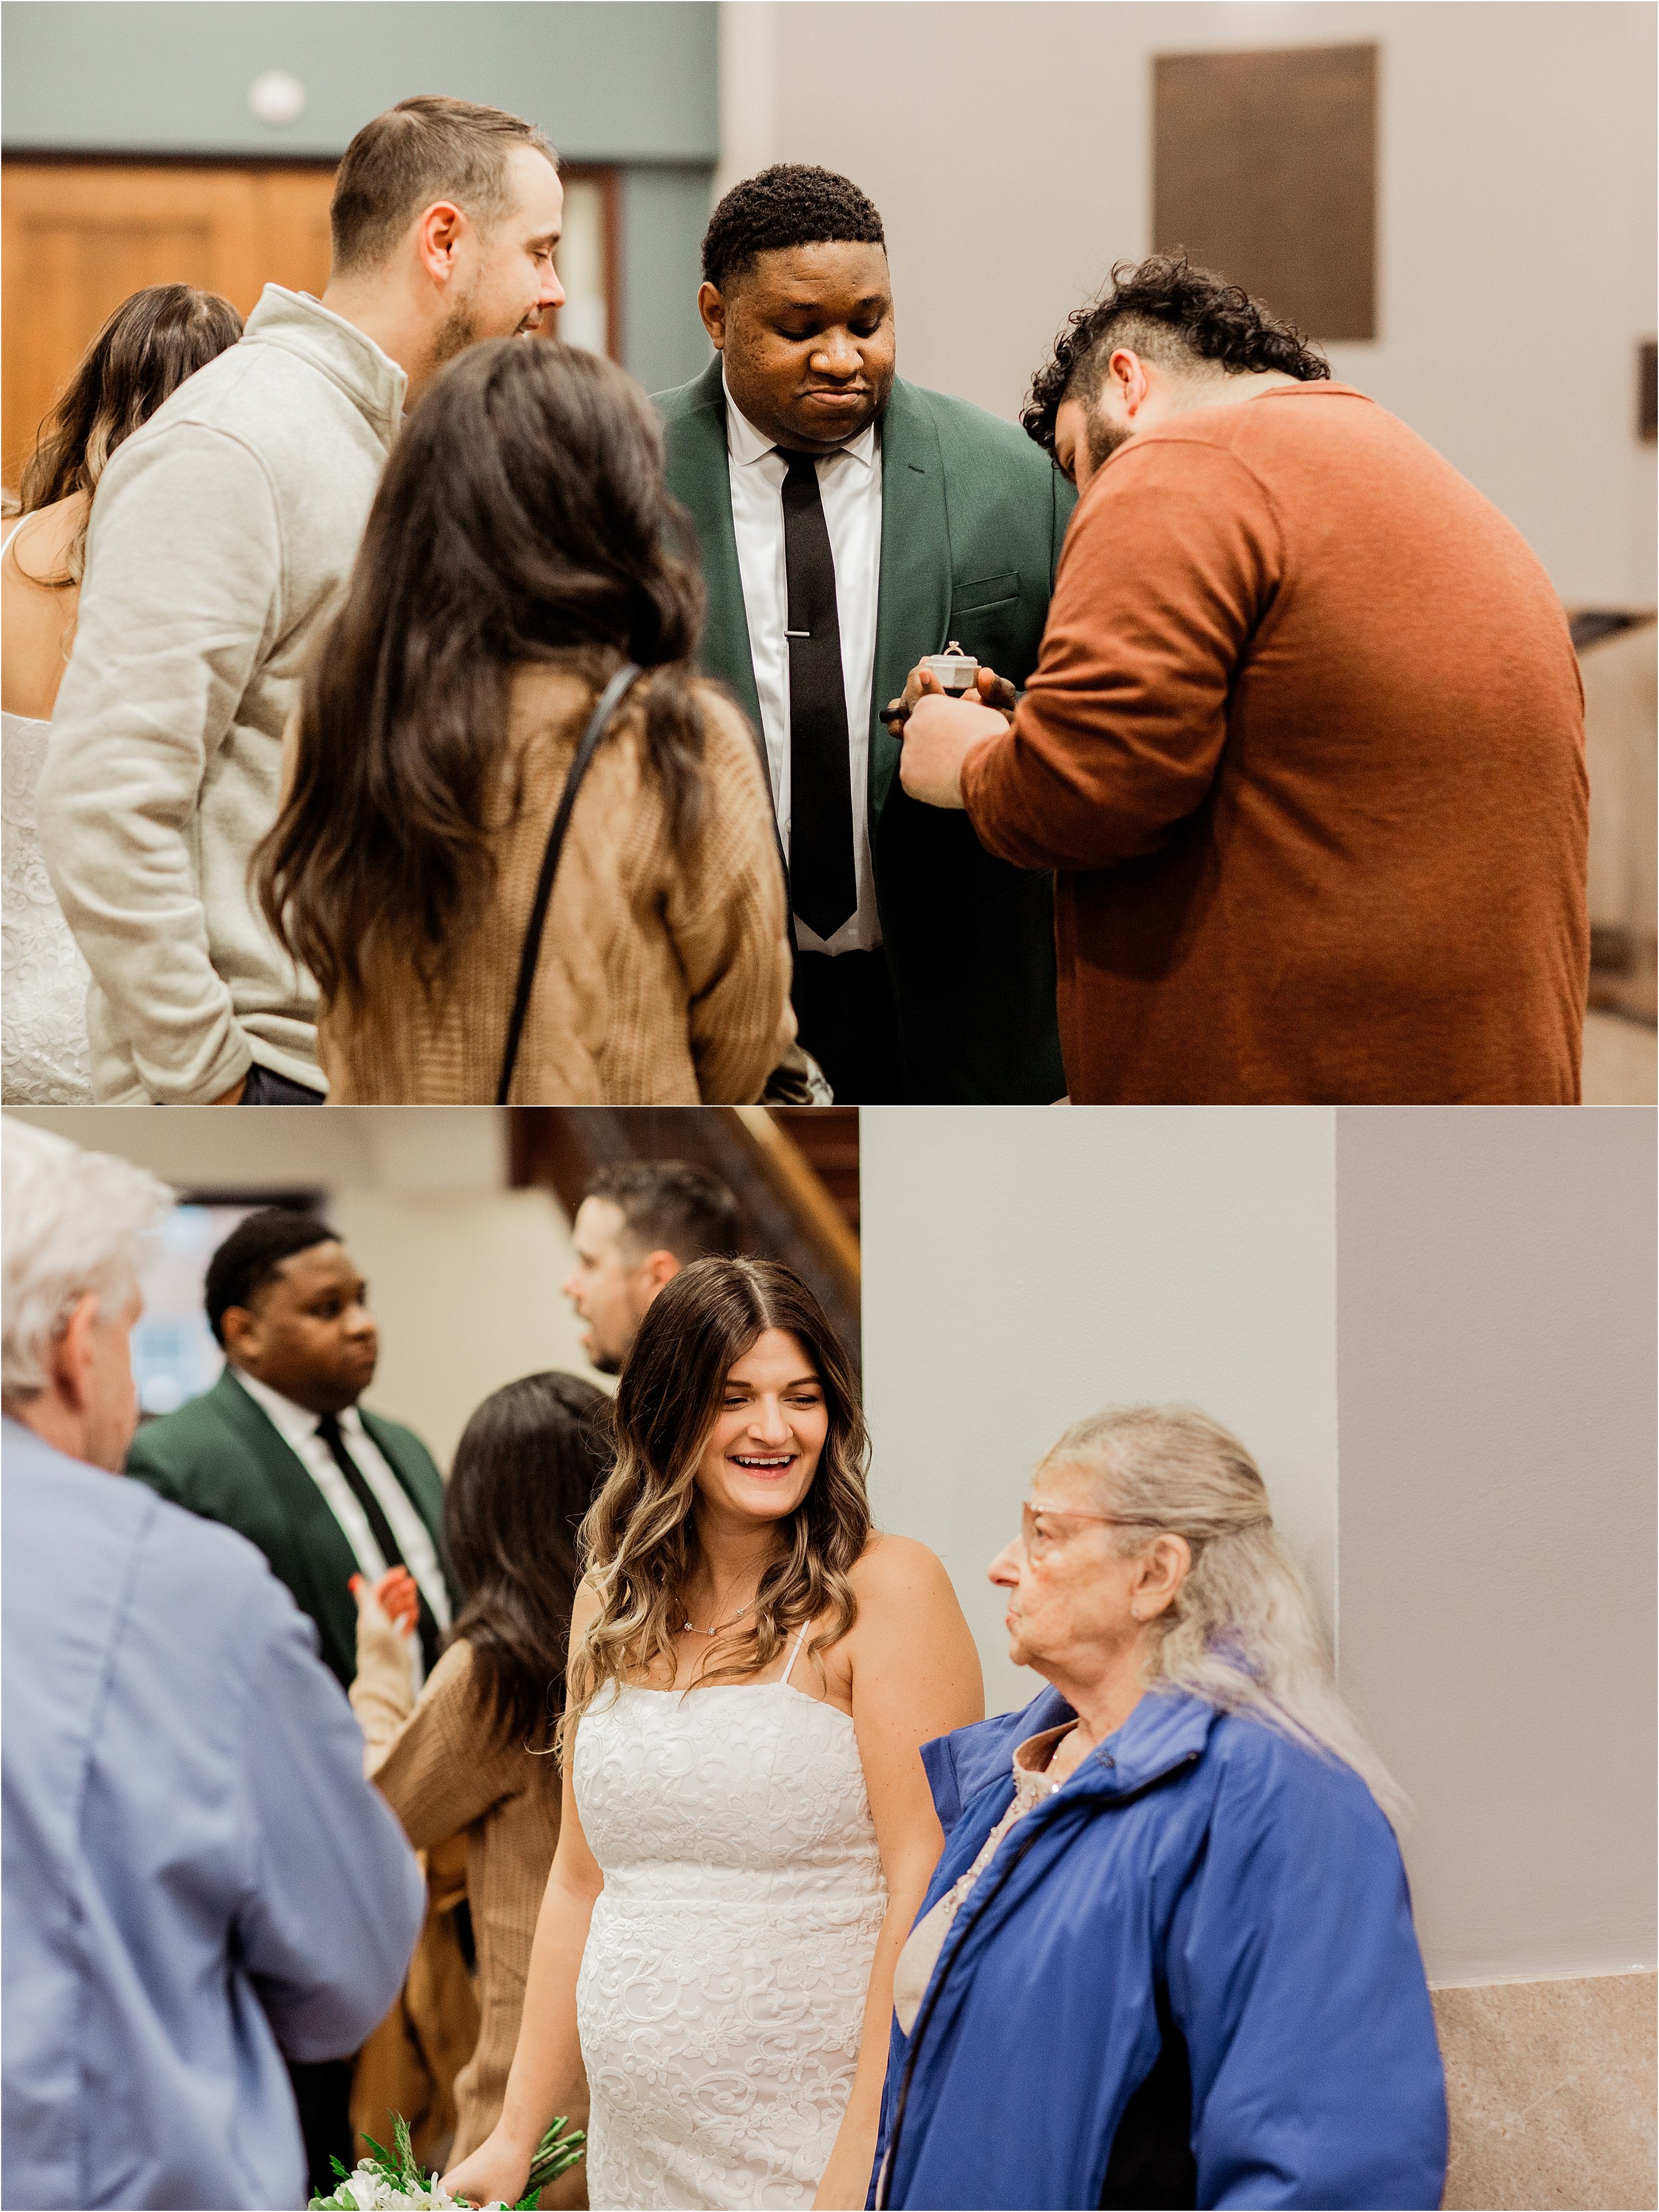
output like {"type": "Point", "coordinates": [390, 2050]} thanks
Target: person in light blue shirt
{"type": "Point", "coordinates": [198, 1880]}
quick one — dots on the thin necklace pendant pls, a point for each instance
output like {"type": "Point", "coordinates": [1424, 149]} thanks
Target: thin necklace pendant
{"type": "Point", "coordinates": [692, 1629]}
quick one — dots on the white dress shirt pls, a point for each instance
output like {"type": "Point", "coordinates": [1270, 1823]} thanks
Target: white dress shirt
{"type": "Point", "coordinates": [297, 1427]}
{"type": "Point", "coordinates": [849, 484]}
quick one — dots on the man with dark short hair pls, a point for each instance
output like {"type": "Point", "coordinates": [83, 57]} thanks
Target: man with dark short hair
{"type": "Point", "coordinates": [280, 1448]}
{"type": "Point", "coordinates": [639, 1222]}
{"type": "Point", "coordinates": [1306, 743]}
{"type": "Point", "coordinates": [222, 538]}
{"type": "Point", "coordinates": [850, 523]}
{"type": "Point", "coordinates": [280, 1451]}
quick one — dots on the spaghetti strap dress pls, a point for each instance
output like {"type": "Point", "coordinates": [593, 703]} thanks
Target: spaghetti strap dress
{"type": "Point", "coordinates": [722, 1988]}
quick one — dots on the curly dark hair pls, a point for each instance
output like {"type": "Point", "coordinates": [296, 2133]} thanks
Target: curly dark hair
{"type": "Point", "coordinates": [1175, 314]}
{"type": "Point", "coordinates": [791, 204]}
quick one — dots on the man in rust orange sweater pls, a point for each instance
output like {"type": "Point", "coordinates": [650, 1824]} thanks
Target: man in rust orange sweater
{"type": "Point", "coordinates": [1306, 743]}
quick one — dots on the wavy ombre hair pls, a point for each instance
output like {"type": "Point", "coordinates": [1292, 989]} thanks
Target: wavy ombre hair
{"type": "Point", "coordinates": [640, 1537]}
{"type": "Point", "coordinates": [149, 346]}
{"type": "Point", "coordinates": [1242, 1631]}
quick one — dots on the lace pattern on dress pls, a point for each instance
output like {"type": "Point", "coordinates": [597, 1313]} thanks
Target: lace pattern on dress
{"type": "Point", "coordinates": [44, 1056]}
{"type": "Point", "coordinates": [722, 1988]}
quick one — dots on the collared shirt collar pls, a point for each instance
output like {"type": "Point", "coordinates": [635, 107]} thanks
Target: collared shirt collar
{"type": "Point", "coordinates": [296, 1423]}
{"type": "Point", "coordinates": [746, 444]}
{"type": "Point", "coordinates": [1030, 1763]}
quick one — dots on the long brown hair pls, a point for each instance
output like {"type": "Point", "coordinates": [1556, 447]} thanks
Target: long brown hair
{"type": "Point", "coordinates": [527, 1468]}
{"type": "Point", "coordinates": [145, 352]}
{"type": "Point", "coordinates": [522, 517]}
{"type": "Point", "coordinates": [641, 1539]}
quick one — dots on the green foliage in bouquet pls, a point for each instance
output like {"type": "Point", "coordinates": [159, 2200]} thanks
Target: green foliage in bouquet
{"type": "Point", "coordinates": [392, 2177]}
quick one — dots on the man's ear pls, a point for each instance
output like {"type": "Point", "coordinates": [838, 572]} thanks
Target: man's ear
{"type": "Point", "coordinates": [711, 306]}
{"type": "Point", "coordinates": [437, 232]}
{"type": "Point", "coordinates": [1128, 371]}
{"type": "Point", "coordinates": [71, 1351]}
{"type": "Point", "coordinates": [658, 1268]}
{"type": "Point", "coordinates": [239, 1330]}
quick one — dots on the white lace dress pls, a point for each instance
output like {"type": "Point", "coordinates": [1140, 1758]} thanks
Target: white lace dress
{"type": "Point", "coordinates": [44, 1059]}
{"type": "Point", "coordinates": [722, 1988]}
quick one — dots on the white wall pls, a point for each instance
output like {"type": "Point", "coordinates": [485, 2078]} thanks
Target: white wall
{"type": "Point", "coordinates": [1008, 147]}
{"type": "Point", "coordinates": [1496, 1372]}
{"type": "Point", "coordinates": [463, 1274]}
{"type": "Point", "coordinates": [1025, 1265]}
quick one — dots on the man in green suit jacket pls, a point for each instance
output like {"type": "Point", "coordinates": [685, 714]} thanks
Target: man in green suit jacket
{"type": "Point", "coordinates": [279, 1448]}
{"type": "Point", "coordinates": [929, 975]}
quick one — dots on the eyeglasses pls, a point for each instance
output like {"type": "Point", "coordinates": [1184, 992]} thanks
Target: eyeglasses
{"type": "Point", "coordinates": [1038, 1542]}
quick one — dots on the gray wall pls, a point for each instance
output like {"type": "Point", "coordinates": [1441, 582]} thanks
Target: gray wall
{"type": "Point", "coordinates": [464, 1274]}
{"type": "Point", "coordinates": [1455, 1305]}
{"type": "Point", "coordinates": [665, 212]}
{"type": "Point", "coordinates": [629, 82]}
{"type": "Point", "coordinates": [1515, 178]}
{"type": "Point", "coordinates": [1495, 1286]}
{"type": "Point", "coordinates": [1023, 1266]}
{"type": "Point", "coordinates": [635, 81]}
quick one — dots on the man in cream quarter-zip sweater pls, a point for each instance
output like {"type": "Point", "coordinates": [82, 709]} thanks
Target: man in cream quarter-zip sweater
{"type": "Point", "coordinates": [223, 535]}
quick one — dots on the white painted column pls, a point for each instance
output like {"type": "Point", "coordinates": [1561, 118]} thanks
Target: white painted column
{"type": "Point", "coordinates": [748, 89]}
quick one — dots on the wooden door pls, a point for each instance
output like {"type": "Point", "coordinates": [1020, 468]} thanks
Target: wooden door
{"type": "Point", "coordinates": [81, 237]}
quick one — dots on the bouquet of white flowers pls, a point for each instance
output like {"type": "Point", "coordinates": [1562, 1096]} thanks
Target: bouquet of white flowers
{"type": "Point", "coordinates": [389, 2181]}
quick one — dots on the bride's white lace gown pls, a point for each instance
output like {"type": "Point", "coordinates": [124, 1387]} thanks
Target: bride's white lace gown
{"type": "Point", "coordinates": [722, 1987]}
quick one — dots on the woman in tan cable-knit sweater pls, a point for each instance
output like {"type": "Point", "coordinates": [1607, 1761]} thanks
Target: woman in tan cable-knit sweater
{"type": "Point", "coordinates": [471, 1756]}
{"type": "Point", "coordinates": [520, 550]}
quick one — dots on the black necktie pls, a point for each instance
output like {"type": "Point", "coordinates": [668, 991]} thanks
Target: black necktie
{"type": "Point", "coordinates": [328, 1428]}
{"type": "Point", "coordinates": [823, 886]}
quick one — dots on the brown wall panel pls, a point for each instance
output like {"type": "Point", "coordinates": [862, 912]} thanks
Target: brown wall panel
{"type": "Point", "coordinates": [81, 237]}
{"type": "Point", "coordinates": [1265, 168]}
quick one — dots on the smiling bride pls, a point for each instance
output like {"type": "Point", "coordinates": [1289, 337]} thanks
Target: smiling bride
{"type": "Point", "coordinates": [747, 1829]}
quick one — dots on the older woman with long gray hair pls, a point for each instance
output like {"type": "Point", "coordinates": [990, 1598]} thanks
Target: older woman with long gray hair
{"type": "Point", "coordinates": [1167, 1957]}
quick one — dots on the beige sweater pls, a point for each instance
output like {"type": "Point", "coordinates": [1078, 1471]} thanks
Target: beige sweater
{"type": "Point", "coordinates": [223, 535]}
{"type": "Point", "coordinates": [661, 982]}
{"type": "Point", "coordinates": [444, 1773]}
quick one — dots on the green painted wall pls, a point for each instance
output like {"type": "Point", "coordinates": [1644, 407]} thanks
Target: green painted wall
{"type": "Point", "coordinates": [629, 81]}
{"type": "Point", "coordinates": [607, 80]}
{"type": "Point", "coordinates": [665, 212]}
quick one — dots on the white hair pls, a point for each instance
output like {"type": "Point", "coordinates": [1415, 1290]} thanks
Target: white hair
{"type": "Point", "coordinates": [1242, 1631]}
{"type": "Point", "coordinates": [69, 1224]}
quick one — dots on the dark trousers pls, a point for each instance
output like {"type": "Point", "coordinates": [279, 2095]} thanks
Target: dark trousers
{"type": "Point", "coordinates": [264, 1087]}
{"type": "Point", "coordinates": [848, 1022]}
{"type": "Point", "coordinates": [322, 2090]}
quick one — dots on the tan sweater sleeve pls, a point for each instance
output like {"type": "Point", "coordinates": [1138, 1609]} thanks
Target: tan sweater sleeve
{"type": "Point", "coordinates": [439, 1765]}
{"type": "Point", "coordinates": [1172, 563]}
{"type": "Point", "coordinates": [726, 917]}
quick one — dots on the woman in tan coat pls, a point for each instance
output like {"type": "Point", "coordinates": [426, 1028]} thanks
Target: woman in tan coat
{"type": "Point", "coordinates": [520, 554]}
{"type": "Point", "coordinates": [471, 1756]}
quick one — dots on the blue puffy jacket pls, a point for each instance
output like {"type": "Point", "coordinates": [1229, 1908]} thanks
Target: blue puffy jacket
{"type": "Point", "coordinates": [1188, 1977]}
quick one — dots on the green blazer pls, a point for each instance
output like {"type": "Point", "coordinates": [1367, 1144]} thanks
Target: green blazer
{"type": "Point", "coordinates": [221, 1457]}
{"type": "Point", "coordinates": [972, 518]}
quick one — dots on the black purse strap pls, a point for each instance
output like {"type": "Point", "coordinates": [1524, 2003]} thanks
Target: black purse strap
{"type": "Point", "coordinates": [604, 707]}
